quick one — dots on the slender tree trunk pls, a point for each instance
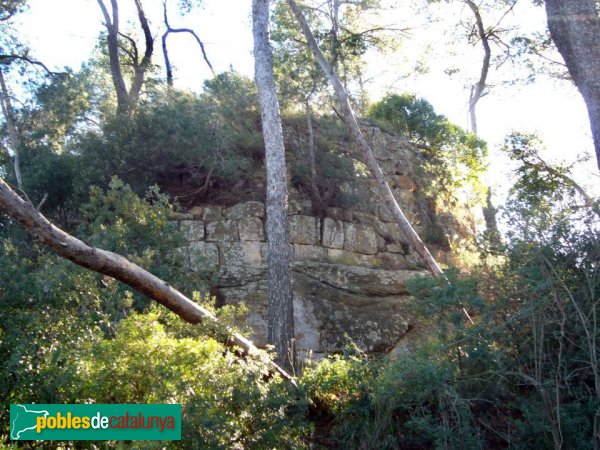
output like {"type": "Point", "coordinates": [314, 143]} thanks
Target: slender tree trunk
{"type": "Point", "coordinates": [141, 67]}
{"type": "Point", "coordinates": [477, 91]}
{"type": "Point", "coordinates": [350, 120]}
{"type": "Point", "coordinates": [335, 32]}
{"type": "Point", "coordinates": [13, 133]}
{"type": "Point", "coordinates": [479, 87]}
{"type": "Point", "coordinates": [115, 266]}
{"type": "Point", "coordinates": [575, 29]}
{"type": "Point", "coordinates": [281, 312]}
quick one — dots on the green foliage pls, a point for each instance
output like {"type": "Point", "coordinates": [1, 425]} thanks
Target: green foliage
{"type": "Point", "coordinates": [543, 195]}
{"type": "Point", "coordinates": [138, 228]}
{"type": "Point", "coordinates": [451, 157]}
{"type": "Point", "coordinates": [50, 307]}
{"type": "Point", "coordinates": [344, 45]}
{"type": "Point", "coordinates": [68, 335]}
{"type": "Point", "coordinates": [195, 147]}
{"type": "Point", "coordinates": [413, 117]}
{"type": "Point", "coordinates": [509, 358]}
{"type": "Point", "coordinates": [498, 339]}
{"type": "Point", "coordinates": [61, 108]}
{"type": "Point", "coordinates": [297, 73]}
{"type": "Point", "coordinates": [226, 404]}
{"type": "Point", "coordinates": [406, 403]}
{"type": "Point", "coordinates": [232, 104]}
{"type": "Point", "coordinates": [63, 103]}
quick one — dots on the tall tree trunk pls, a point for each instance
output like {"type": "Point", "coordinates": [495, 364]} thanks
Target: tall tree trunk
{"type": "Point", "coordinates": [350, 120]}
{"type": "Point", "coordinates": [115, 266]}
{"type": "Point", "coordinates": [281, 312]}
{"type": "Point", "coordinates": [477, 91]}
{"type": "Point", "coordinates": [479, 87]}
{"type": "Point", "coordinates": [575, 29]}
{"type": "Point", "coordinates": [13, 133]}
{"type": "Point", "coordinates": [127, 99]}
{"type": "Point", "coordinates": [112, 40]}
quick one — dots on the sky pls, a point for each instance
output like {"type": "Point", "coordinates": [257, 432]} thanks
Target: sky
{"type": "Point", "coordinates": [64, 32]}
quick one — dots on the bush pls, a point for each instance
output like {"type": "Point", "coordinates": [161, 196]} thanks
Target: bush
{"type": "Point", "coordinates": [451, 157]}
{"type": "Point", "coordinates": [50, 307]}
{"type": "Point", "coordinates": [175, 142]}
{"type": "Point", "coordinates": [337, 174]}
{"type": "Point", "coordinates": [226, 404]}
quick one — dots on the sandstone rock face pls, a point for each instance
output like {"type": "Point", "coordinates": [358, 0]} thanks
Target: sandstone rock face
{"type": "Point", "coordinates": [304, 230]}
{"type": "Point", "coordinates": [349, 277]}
{"type": "Point", "coordinates": [333, 233]}
{"type": "Point", "coordinates": [350, 266]}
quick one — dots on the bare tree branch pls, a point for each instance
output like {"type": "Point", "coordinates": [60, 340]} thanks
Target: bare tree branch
{"type": "Point", "coordinates": [7, 59]}
{"type": "Point", "coordinates": [170, 30]}
{"type": "Point", "coordinates": [133, 53]}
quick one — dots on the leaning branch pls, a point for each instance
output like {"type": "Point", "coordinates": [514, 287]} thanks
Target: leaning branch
{"type": "Point", "coordinates": [589, 201]}
{"type": "Point", "coordinates": [349, 118]}
{"type": "Point", "coordinates": [115, 266]}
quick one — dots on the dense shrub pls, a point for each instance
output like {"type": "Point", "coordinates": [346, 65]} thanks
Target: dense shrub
{"type": "Point", "coordinates": [336, 171]}
{"type": "Point", "coordinates": [49, 307]}
{"type": "Point", "coordinates": [226, 403]}
{"type": "Point", "coordinates": [451, 157]}
{"type": "Point", "coordinates": [178, 142]}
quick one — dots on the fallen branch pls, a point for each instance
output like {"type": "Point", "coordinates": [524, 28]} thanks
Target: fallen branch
{"type": "Point", "coordinates": [118, 267]}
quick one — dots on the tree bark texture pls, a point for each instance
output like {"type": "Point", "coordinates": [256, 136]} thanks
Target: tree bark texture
{"type": "Point", "coordinates": [575, 29]}
{"type": "Point", "coordinates": [349, 119]}
{"type": "Point", "coordinates": [281, 312]}
{"type": "Point", "coordinates": [112, 41]}
{"type": "Point", "coordinates": [113, 265]}
{"type": "Point", "coordinates": [13, 133]}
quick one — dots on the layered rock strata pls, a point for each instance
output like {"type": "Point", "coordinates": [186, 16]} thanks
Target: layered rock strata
{"type": "Point", "coordinates": [350, 266]}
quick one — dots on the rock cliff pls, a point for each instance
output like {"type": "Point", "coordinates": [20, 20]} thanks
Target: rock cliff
{"type": "Point", "coordinates": [350, 265]}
